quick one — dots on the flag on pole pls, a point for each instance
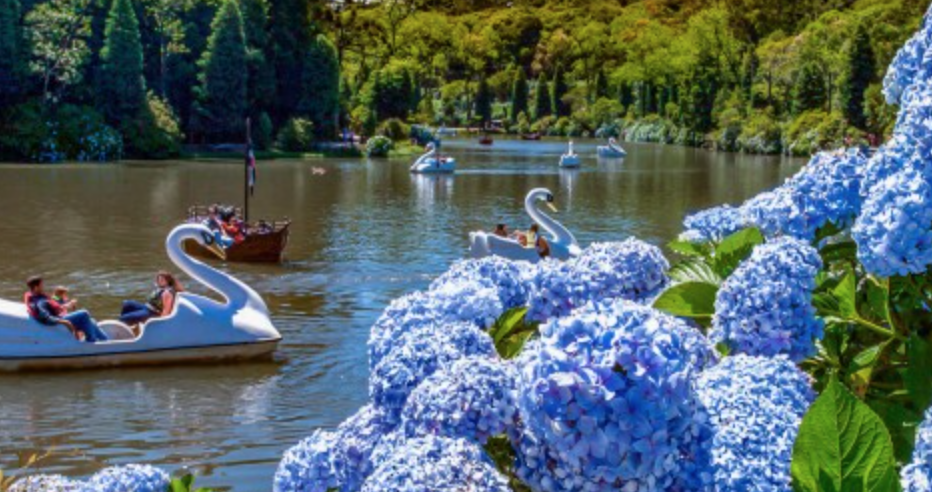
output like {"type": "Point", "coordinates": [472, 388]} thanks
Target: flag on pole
{"type": "Point", "coordinates": [251, 165]}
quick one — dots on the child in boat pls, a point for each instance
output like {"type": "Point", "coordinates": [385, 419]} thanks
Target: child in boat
{"type": "Point", "coordinates": [159, 305]}
{"type": "Point", "coordinates": [215, 222]}
{"type": "Point", "coordinates": [60, 297]}
{"type": "Point", "coordinates": [49, 313]}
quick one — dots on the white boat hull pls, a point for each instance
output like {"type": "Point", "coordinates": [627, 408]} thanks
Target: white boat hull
{"type": "Point", "coordinates": [431, 166]}
{"type": "Point", "coordinates": [610, 152]}
{"type": "Point", "coordinates": [569, 161]}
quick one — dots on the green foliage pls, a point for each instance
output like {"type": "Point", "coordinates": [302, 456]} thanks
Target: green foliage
{"type": "Point", "coordinates": [813, 131]}
{"type": "Point", "coordinates": [11, 52]}
{"type": "Point", "coordinates": [394, 129]}
{"type": "Point", "coordinates": [500, 450]}
{"type": "Point", "coordinates": [542, 102]}
{"type": "Point", "coordinates": [76, 133]}
{"type": "Point", "coordinates": [224, 77]}
{"type": "Point", "coordinates": [695, 300]}
{"type": "Point", "coordinates": [261, 79]}
{"type": "Point", "coordinates": [57, 34]}
{"type": "Point", "coordinates": [263, 132]}
{"type": "Point", "coordinates": [155, 132]}
{"type": "Point", "coordinates": [761, 134]}
{"type": "Point", "coordinates": [389, 92]}
{"type": "Point", "coordinates": [511, 331]}
{"type": "Point", "coordinates": [379, 146]}
{"type": "Point", "coordinates": [122, 88]}
{"type": "Point", "coordinates": [320, 101]}
{"type": "Point", "coordinates": [292, 34]}
{"type": "Point", "coordinates": [519, 95]}
{"type": "Point", "coordinates": [809, 90]}
{"type": "Point", "coordinates": [843, 445]}
{"type": "Point", "coordinates": [858, 76]}
{"type": "Point", "coordinates": [558, 91]}
{"type": "Point", "coordinates": [296, 135]}
{"type": "Point", "coordinates": [483, 102]}
{"type": "Point", "coordinates": [185, 484]}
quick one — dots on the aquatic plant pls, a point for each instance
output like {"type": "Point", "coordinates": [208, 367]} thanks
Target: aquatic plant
{"type": "Point", "coordinates": [917, 475]}
{"type": "Point", "coordinates": [473, 399]}
{"type": "Point", "coordinates": [606, 402]}
{"type": "Point", "coordinates": [765, 306]}
{"type": "Point", "coordinates": [756, 405]}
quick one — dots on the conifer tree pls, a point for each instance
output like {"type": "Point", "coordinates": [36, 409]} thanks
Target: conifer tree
{"type": "Point", "coordinates": [320, 89]}
{"type": "Point", "coordinates": [558, 90]}
{"type": "Point", "coordinates": [484, 102]}
{"type": "Point", "coordinates": [625, 95]}
{"type": "Point", "coordinates": [600, 86]}
{"type": "Point", "coordinates": [858, 76]}
{"type": "Point", "coordinates": [122, 86]}
{"type": "Point", "coordinates": [261, 84]}
{"type": "Point", "coordinates": [542, 106]}
{"type": "Point", "coordinates": [809, 91]}
{"type": "Point", "coordinates": [224, 75]}
{"type": "Point", "coordinates": [519, 95]}
{"type": "Point", "coordinates": [292, 33]}
{"type": "Point", "coordinates": [11, 51]}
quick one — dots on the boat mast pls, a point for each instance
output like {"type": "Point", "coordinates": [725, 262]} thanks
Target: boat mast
{"type": "Point", "coordinates": [246, 171]}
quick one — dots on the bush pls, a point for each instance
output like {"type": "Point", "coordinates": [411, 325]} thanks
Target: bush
{"type": "Point", "coordinates": [263, 132]}
{"type": "Point", "coordinates": [726, 138]}
{"type": "Point", "coordinates": [522, 126]}
{"type": "Point", "coordinates": [155, 133]}
{"type": "Point", "coordinates": [394, 129]}
{"type": "Point", "coordinates": [761, 135]}
{"type": "Point", "coordinates": [655, 129]}
{"type": "Point", "coordinates": [379, 146]}
{"type": "Point", "coordinates": [72, 133]}
{"type": "Point", "coordinates": [297, 135]}
{"type": "Point", "coordinates": [813, 131]}
{"type": "Point", "coordinates": [543, 125]}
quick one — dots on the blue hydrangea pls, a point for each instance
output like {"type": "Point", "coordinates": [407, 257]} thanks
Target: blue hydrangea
{"type": "Point", "coordinates": [509, 278]}
{"type": "Point", "coordinates": [473, 399]}
{"type": "Point", "coordinates": [333, 460]}
{"type": "Point", "coordinates": [46, 483]}
{"type": "Point", "coordinates": [886, 161]}
{"type": "Point", "coordinates": [415, 357]}
{"type": "Point", "coordinates": [712, 224]}
{"type": "Point", "coordinates": [434, 464]}
{"type": "Point", "coordinates": [756, 406]}
{"type": "Point", "coordinates": [631, 270]}
{"type": "Point", "coordinates": [917, 475]}
{"type": "Point", "coordinates": [765, 306]}
{"type": "Point", "coordinates": [607, 403]}
{"type": "Point", "coordinates": [128, 478]}
{"type": "Point", "coordinates": [775, 213]}
{"type": "Point", "coordinates": [908, 63]}
{"type": "Point", "coordinates": [894, 231]}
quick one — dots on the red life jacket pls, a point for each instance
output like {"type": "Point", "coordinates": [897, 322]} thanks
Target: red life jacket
{"type": "Point", "coordinates": [27, 300]}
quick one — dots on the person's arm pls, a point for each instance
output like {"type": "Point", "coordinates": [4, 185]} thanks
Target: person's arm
{"type": "Point", "coordinates": [44, 315]}
{"type": "Point", "coordinates": [168, 302]}
{"type": "Point", "coordinates": [79, 336]}
{"type": "Point", "coordinates": [545, 247]}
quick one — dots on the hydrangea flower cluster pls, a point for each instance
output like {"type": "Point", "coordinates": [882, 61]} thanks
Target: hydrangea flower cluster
{"type": "Point", "coordinates": [337, 460]}
{"type": "Point", "coordinates": [46, 483]}
{"type": "Point", "coordinates": [713, 224]}
{"type": "Point", "coordinates": [127, 478]}
{"type": "Point", "coordinates": [756, 406]}
{"type": "Point", "coordinates": [434, 464]}
{"type": "Point", "coordinates": [908, 62]}
{"type": "Point", "coordinates": [509, 278]}
{"type": "Point", "coordinates": [917, 475]}
{"type": "Point", "coordinates": [631, 270]}
{"type": "Point", "coordinates": [607, 403]}
{"type": "Point", "coordinates": [473, 399]}
{"type": "Point", "coordinates": [894, 232]}
{"type": "Point", "coordinates": [765, 306]}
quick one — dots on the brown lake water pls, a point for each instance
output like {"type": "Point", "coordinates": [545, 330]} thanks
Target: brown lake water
{"type": "Point", "coordinates": [363, 234]}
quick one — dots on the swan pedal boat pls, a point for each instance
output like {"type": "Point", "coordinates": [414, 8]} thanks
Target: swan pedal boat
{"type": "Point", "coordinates": [200, 330]}
{"type": "Point", "coordinates": [612, 150]}
{"type": "Point", "coordinates": [563, 245]}
{"type": "Point", "coordinates": [431, 163]}
{"type": "Point", "coordinates": [570, 159]}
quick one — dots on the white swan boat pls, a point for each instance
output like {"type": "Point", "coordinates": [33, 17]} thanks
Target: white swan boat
{"type": "Point", "coordinates": [570, 159]}
{"type": "Point", "coordinates": [563, 244]}
{"type": "Point", "coordinates": [612, 150]}
{"type": "Point", "coordinates": [431, 163]}
{"type": "Point", "coordinates": [199, 330]}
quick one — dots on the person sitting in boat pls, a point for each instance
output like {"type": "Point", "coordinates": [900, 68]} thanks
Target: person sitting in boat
{"type": "Point", "coordinates": [234, 228]}
{"type": "Point", "coordinates": [214, 222]}
{"type": "Point", "coordinates": [50, 313]}
{"type": "Point", "coordinates": [501, 230]}
{"type": "Point", "coordinates": [536, 241]}
{"type": "Point", "coordinates": [61, 299]}
{"type": "Point", "coordinates": [159, 305]}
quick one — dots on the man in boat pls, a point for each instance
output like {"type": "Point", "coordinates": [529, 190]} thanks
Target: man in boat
{"type": "Point", "coordinates": [501, 230]}
{"type": "Point", "coordinates": [49, 313]}
{"type": "Point", "coordinates": [214, 222]}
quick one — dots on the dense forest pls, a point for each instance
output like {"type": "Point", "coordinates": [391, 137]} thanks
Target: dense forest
{"type": "Point", "coordinates": [101, 79]}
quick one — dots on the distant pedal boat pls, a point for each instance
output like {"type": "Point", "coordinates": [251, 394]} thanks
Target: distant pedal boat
{"type": "Point", "coordinates": [611, 151]}
{"type": "Point", "coordinates": [200, 330]}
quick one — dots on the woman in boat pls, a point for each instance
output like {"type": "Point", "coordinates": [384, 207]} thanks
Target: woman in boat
{"type": "Point", "coordinates": [160, 302]}
{"type": "Point", "coordinates": [536, 241]}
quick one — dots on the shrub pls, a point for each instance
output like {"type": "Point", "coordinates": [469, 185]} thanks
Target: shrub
{"type": "Point", "coordinates": [73, 132]}
{"type": "Point", "coordinates": [297, 135]}
{"type": "Point", "coordinates": [394, 129]}
{"type": "Point", "coordinates": [379, 146]}
{"type": "Point", "coordinates": [543, 125]}
{"type": "Point", "coordinates": [25, 132]}
{"type": "Point", "coordinates": [726, 138]}
{"type": "Point", "coordinates": [653, 128]}
{"type": "Point", "coordinates": [761, 135]}
{"type": "Point", "coordinates": [263, 132]}
{"type": "Point", "coordinates": [155, 133]}
{"type": "Point", "coordinates": [813, 131]}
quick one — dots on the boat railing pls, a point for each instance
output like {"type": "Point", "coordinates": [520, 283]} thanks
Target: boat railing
{"type": "Point", "coordinates": [197, 213]}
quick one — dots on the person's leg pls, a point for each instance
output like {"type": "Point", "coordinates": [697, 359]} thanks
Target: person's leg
{"type": "Point", "coordinates": [83, 322]}
{"type": "Point", "coordinates": [131, 306]}
{"type": "Point", "coordinates": [136, 317]}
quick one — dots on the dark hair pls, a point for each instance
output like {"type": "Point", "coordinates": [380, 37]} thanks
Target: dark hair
{"type": "Point", "coordinates": [171, 281]}
{"type": "Point", "coordinates": [33, 282]}
{"type": "Point", "coordinates": [534, 228]}
{"type": "Point", "coordinates": [500, 227]}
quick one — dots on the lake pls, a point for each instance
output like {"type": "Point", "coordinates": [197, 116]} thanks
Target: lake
{"type": "Point", "coordinates": [364, 233]}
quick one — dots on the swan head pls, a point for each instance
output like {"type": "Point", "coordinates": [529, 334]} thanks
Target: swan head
{"type": "Point", "coordinates": [544, 195]}
{"type": "Point", "coordinates": [198, 233]}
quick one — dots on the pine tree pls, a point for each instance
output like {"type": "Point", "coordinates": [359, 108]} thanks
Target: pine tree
{"type": "Point", "coordinates": [809, 92]}
{"type": "Point", "coordinates": [519, 95]}
{"type": "Point", "coordinates": [320, 88]}
{"type": "Point", "coordinates": [600, 86]}
{"type": "Point", "coordinates": [224, 75]}
{"type": "Point", "coordinates": [11, 52]}
{"type": "Point", "coordinates": [292, 35]}
{"type": "Point", "coordinates": [261, 84]}
{"type": "Point", "coordinates": [701, 93]}
{"type": "Point", "coordinates": [858, 76]}
{"type": "Point", "coordinates": [558, 91]}
{"type": "Point", "coordinates": [625, 95]}
{"type": "Point", "coordinates": [542, 106]}
{"type": "Point", "coordinates": [122, 86]}
{"type": "Point", "coordinates": [484, 102]}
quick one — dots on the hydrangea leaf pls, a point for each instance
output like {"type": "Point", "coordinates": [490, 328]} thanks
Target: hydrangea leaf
{"type": "Point", "coordinates": [843, 445]}
{"type": "Point", "coordinates": [901, 422]}
{"type": "Point", "coordinates": [919, 371]}
{"type": "Point", "coordinates": [841, 251]}
{"type": "Point", "coordinates": [878, 298]}
{"type": "Point", "coordinates": [734, 249]}
{"type": "Point", "coordinates": [511, 331]}
{"type": "Point", "coordinates": [687, 248]}
{"type": "Point", "coordinates": [846, 295]}
{"type": "Point", "coordinates": [689, 299]}
{"type": "Point", "coordinates": [692, 270]}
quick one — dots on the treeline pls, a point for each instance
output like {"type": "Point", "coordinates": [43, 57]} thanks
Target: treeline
{"type": "Point", "coordinates": [91, 78]}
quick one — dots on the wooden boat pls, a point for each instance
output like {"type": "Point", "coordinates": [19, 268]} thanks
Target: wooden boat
{"type": "Point", "coordinates": [265, 241]}
{"type": "Point", "coordinates": [485, 140]}
{"type": "Point", "coordinates": [530, 136]}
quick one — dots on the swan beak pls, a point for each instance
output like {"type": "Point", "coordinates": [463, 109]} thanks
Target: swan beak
{"type": "Point", "coordinates": [552, 207]}
{"type": "Point", "coordinates": [217, 250]}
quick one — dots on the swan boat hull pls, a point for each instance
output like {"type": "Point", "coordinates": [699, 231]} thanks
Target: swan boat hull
{"type": "Point", "coordinates": [430, 166]}
{"type": "Point", "coordinates": [611, 153]}
{"type": "Point", "coordinates": [569, 161]}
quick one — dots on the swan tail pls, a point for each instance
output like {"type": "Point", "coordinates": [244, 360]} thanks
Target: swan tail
{"type": "Point", "coordinates": [478, 245]}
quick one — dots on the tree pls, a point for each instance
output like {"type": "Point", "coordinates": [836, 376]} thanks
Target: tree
{"type": "Point", "coordinates": [292, 36]}
{"type": "Point", "coordinates": [558, 91]}
{"type": "Point", "coordinates": [599, 87]}
{"type": "Point", "coordinates": [58, 37]}
{"type": "Point", "coordinates": [320, 88]}
{"type": "Point", "coordinates": [625, 95]}
{"type": "Point", "coordinates": [519, 95]}
{"type": "Point", "coordinates": [122, 87]}
{"type": "Point", "coordinates": [11, 51]}
{"type": "Point", "coordinates": [223, 75]}
{"type": "Point", "coordinates": [542, 98]}
{"type": "Point", "coordinates": [858, 77]}
{"type": "Point", "coordinates": [809, 91]}
{"type": "Point", "coordinates": [484, 102]}
{"type": "Point", "coordinates": [261, 85]}
{"type": "Point", "coordinates": [701, 92]}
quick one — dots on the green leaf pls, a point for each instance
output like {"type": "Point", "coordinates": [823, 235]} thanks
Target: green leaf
{"type": "Point", "coordinates": [734, 249]}
{"type": "Point", "coordinates": [846, 295]}
{"type": "Point", "coordinates": [182, 484]}
{"type": "Point", "coordinates": [843, 445]}
{"type": "Point", "coordinates": [841, 251]}
{"type": "Point", "coordinates": [918, 377]}
{"type": "Point", "coordinates": [687, 248]}
{"type": "Point", "coordinates": [511, 331]}
{"type": "Point", "coordinates": [690, 300]}
{"type": "Point", "coordinates": [878, 299]}
{"type": "Point", "coordinates": [826, 231]}
{"type": "Point", "coordinates": [902, 423]}
{"type": "Point", "coordinates": [693, 270]}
